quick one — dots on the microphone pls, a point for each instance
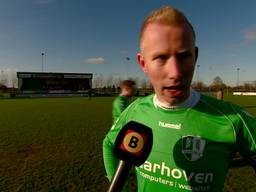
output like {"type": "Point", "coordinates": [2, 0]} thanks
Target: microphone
{"type": "Point", "coordinates": [132, 146]}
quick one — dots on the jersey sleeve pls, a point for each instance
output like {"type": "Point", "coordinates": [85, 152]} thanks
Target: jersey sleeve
{"type": "Point", "coordinates": [119, 106]}
{"type": "Point", "coordinates": [246, 136]}
{"type": "Point", "coordinates": [110, 162]}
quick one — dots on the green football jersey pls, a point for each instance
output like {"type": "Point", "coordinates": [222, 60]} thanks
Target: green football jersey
{"type": "Point", "coordinates": [192, 147]}
{"type": "Point", "coordinates": [119, 105]}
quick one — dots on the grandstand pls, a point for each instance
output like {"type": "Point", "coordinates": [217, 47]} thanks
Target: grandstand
{"type": "Point", "coordinates": [53, 84]}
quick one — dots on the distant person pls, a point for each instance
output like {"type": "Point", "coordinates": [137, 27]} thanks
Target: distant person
{"type": "Point", "coordinates": [194, 136]}
{"type": "Point", "coordinates": [124, 99]}
{"type": "Point", "coordinates": [220, 94]}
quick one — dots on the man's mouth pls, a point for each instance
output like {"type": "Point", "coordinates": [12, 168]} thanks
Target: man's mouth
{"type": "Point", "coordinates": [174, 87]}
{"type": "Point", "coordinates": [175, 90]}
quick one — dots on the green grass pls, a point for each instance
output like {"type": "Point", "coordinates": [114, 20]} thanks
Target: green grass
{"type": "Point", "coordinates": [247, 102]}
{"type": "Point", "coordinates": [53, 144]}
{"type": "Point", "coordinates": [56, 145]}
{"type": "Point", "coordinates": [242, 179]}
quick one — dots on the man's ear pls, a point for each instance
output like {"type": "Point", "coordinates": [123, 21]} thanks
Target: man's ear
{"type": "Point", "coordinates": [196, 53]}
{"type": "Point", "coordinates": [141, 62]}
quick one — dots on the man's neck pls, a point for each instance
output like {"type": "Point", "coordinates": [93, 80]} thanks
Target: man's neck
{"type": "Point", "coordinates": [123, 95]}
{"type": "Point", "coordinates": [191, 101]}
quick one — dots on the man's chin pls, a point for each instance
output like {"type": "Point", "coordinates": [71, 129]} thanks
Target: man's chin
{"type": "Point", "coordinates": [175, 97]}
{"type": "Point", "coordinates": [175, 100]}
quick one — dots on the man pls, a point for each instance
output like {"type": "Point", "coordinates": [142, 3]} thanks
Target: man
{"type": "Point", "coordinates": [194, 136]}
{"type": "Point", "coordinates": [123, 100]}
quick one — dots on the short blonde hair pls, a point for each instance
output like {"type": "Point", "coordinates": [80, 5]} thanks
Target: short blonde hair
{"type": "Point", "coordinates": [165, 15]}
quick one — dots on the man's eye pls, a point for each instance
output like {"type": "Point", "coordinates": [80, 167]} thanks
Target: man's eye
{"type": "Point", "coordinates": [184, 55]}
{"type": "Point", "coordinates": [161, 58]}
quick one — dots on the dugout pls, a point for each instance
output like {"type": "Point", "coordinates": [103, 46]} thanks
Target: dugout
{"type": "Point", "coordinates": [54, 83]}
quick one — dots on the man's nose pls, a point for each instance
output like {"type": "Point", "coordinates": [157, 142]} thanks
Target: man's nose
{"type": "Point", "coordinates": [173, 68]}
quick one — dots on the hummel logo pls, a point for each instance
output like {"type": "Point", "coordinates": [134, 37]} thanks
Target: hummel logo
{"type": "Point", "coordinates": [169, 125]}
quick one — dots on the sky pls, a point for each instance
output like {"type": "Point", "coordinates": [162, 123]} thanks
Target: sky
{"type": "Point", "coordinates": [96, 36]}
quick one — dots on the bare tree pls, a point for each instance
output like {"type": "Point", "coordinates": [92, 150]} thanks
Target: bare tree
{"type": "Point", "coordinates": [217, 84]}
{"type": "Point", "coordinates": [3, 78]}
{"type": "Point", "coordinates": [109, 81]}
{"type": "Point", "coordinates": [98, 81]}
{"type": "Point", "coordinates": [117, 81]}
{"type": "Point", "coordinates": [199, 85]}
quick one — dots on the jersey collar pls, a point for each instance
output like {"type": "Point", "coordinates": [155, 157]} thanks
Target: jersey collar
{"type": "Point", "coordinates": [190, 102]}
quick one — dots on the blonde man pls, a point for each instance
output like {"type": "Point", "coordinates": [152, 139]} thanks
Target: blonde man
{"type": "Point", "coordinates": [194, 136]}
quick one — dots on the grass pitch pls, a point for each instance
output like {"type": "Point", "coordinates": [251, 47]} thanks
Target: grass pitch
{"type": "Point", "coordinates": [56, 145]}
{"type": "Point", "coordinates": [53, 144]}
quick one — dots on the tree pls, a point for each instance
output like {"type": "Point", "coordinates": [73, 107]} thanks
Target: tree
{"type": "Point", "coordinates": [2, 87]}
{"type": "Point", "coordinates": [109, 80]}
{"type": "Point", "coordinates": [117, 81]}
{"type": "Point", "coordinates": [3, 78]}
{"type": "Point", "coordinates": [217, 81]}
{"type": "Point", "coordinates": [98, 81]}
{"type": "Point", "coordinates": [217, 84]}
{"type": "Point", "coordinates": [199, 86]}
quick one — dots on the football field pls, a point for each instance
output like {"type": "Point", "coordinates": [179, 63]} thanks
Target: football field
{"type": "Point", "coordinates": [55, 144]}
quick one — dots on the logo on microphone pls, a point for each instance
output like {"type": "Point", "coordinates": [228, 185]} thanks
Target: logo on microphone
{"type": "Point", "coordinates": [133, 142]}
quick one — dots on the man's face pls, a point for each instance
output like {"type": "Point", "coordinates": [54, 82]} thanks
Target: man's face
{"type": "Point", "coordinates": [128, 91]}
{"type": "Point", "coordinates": [131, 91]}
{"type": "Point", "coordinates": [168, 57]}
